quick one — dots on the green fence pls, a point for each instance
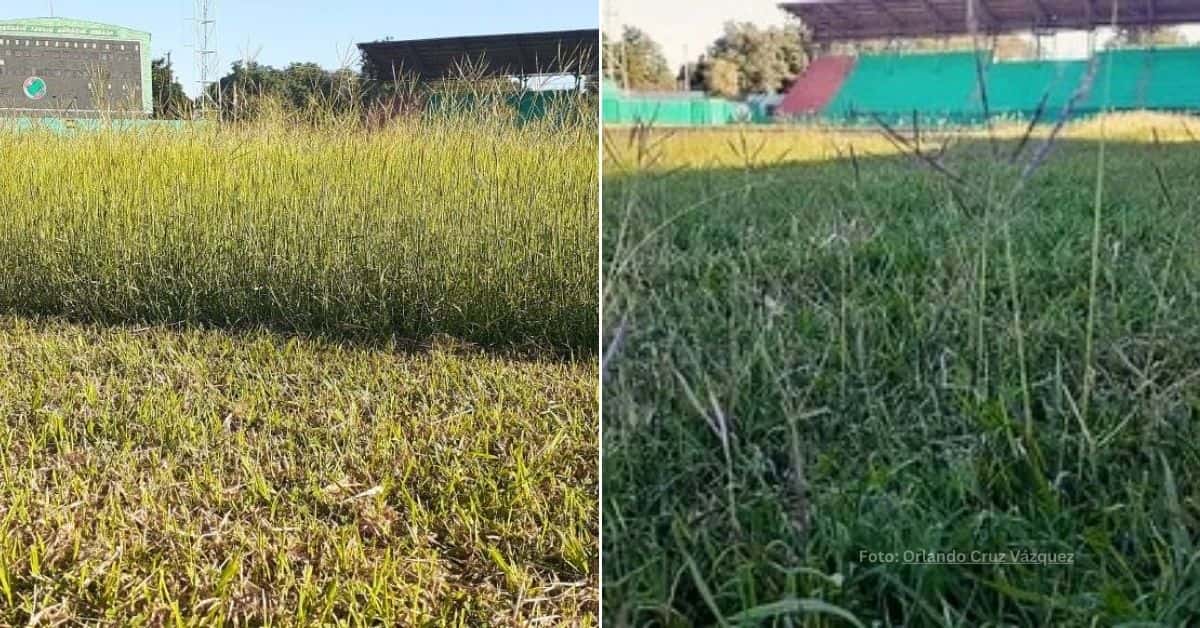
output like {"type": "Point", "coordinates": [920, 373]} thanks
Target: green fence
{"type": "Point", "coordinates": [67, 125]}
{"type": "Point", "coordinates": [562, 106]}
{"type": "Point", "coordinates": [528, 106]}
{"type": "Point", "coordinates": [623, 108]}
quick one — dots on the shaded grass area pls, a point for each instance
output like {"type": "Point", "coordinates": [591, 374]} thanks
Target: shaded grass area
{"type": "Point", "coordinates": [817, 360]}
{"type": "Point", "coordinates": [461, 224]}
{"type": "Point", "coordinates": [153, 475]}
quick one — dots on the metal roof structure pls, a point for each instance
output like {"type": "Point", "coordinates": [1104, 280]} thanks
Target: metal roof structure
{"type": "Point", "coordinates": [845, 20]}
{"type": "Point", "coordinates": [523, 54]}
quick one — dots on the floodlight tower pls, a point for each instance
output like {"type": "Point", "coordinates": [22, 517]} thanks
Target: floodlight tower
{"type": "Point", "coordinates": [205, 18]}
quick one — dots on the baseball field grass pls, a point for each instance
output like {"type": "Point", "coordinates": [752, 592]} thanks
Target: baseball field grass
{"type": "Point", "coordinates": [285, 373]}
{"type": "Point", "coordinates": [850, 384]}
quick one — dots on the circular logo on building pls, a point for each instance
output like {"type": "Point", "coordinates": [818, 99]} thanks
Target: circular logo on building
{"type": "Point", "coordinates": [35, 88]}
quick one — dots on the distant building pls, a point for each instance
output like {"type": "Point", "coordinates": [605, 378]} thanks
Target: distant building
{"type": "Point", "coordinates": [70, 68]}
{"type": "Point", "coordinates": [522, 55]}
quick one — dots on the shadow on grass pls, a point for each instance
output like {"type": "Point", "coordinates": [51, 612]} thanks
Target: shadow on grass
{"type": "Point", "coordinates": [857, 384]}
{"type": "Point", "coordinates": [502, 318]}
{"type": "Point", "coordinates": [346, 339]}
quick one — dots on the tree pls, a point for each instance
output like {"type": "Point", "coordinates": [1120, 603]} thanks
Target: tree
{"type": "Point", "coordinates": [170, 101]}
{"type": "Point", "coordinates": [247, 83]}
{"type": "Point", "coordinates": [766, 59]}
{"type": "Point", "coordinates": [637, 61]}
{"type": "Point", "coordinates": [305, 84]}
{"type": "Point", "coordinates": [722, 78]}
{"type": "Point", "coordinates": [691, 75]}
{"type": "Point", "coordinates": [1150, 36]}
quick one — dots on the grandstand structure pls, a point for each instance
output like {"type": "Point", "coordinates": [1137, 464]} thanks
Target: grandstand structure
{"type": "Point", "coordinates": [848, 20]}
{"type": "Point", "coordinates": [567, 62]}
{"type": "Point", "coordinates": [521, 55]}
{"type": "Point", "coordinates": [963, 86]}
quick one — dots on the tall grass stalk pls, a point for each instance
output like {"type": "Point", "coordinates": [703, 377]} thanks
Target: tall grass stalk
{"type": "Point", "coordinates": [1089, 371]}
{"type": "Point", "coordinates": [456, 222]}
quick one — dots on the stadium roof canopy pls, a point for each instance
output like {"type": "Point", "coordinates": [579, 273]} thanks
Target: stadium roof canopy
{"type": "Point", "coordinates": [844, 20]}
{"type": "Point", "coordinates": [523, 54]}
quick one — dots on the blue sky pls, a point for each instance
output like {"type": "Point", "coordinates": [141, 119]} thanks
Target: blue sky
{"type": "Point", "coordinates": [324, 31]}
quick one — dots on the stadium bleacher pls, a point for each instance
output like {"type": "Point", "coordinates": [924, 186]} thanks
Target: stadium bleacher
{"type": "Point", "coordinates": [945, 87]}
{"type": "Point", "coordinates": [822, 80]}
{"type": "Point", "coordinates": [1020, 88]}
{"type": "Point", "coordinates": [1170, 78]}
{"type": "Point", "coordinates": [939, 85]}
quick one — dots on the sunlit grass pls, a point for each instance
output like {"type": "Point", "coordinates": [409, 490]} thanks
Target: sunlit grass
{"type": "Point", "coordinates": [813, 358]}
{"type": "Point", "coordinates": [751, 145]}
{"type": "Point", "coordinates": [460, 223]}
{"type": "Point", "coordinates": [162, 476]}
{"type": "Point", "coordinates": [301, 370]}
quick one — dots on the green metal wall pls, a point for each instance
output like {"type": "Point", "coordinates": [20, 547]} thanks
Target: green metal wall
{"type": "Point", "coordinates": [89, 125]}
{"type": "Point", "coordinates": [528, 106]}
{"type": "Point", "coordinates": [936, 85]}
{"type": "Point", "coordinates": [944, 88]}
{"type": "Point", "coordinates": [1017, 89]}
{"type": "Point", "coordinates": [621, 108]}
{"type": "Point", "coordinates": [1176, 74]}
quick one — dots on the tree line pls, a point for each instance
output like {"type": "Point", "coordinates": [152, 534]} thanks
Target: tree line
{"type": "Point", "coordinates": [297, 85]}
{"type": "Point", "coordinates": [249, 86]}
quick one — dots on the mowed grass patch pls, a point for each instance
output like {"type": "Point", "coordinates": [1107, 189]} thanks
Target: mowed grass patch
{"type": "Point", "coordinates": [809, 362]}
{"type": "Point", "coordinates": [460, 223]}
{"type": "Point", "coordinates": [180, 476]}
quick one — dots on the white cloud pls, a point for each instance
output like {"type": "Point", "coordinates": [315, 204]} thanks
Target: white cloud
{"type": "Point", "coordinates": [685, 28]}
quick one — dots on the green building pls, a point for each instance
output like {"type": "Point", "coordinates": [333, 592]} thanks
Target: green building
{"type": "Point", "coordinates": [71, 68]}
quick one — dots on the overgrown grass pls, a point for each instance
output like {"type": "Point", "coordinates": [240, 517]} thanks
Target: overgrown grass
{"type": "Point", "coordinates": [305, 368]}
{"type": "Point", "coordinates": [175, 476]}
{"type": "Point", "coordinates": [459, 222]}
{"type": "Point", "coordinates": [813, 358]}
